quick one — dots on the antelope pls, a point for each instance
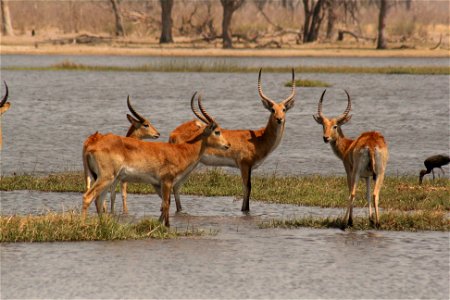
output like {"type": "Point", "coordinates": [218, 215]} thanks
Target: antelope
{"type": "Point", "coordinates": [140, 128]}
{"type": "Point", "coordinates": [249, 148]}
{"type": "Point", "coordinates": [114, 158]}
{"type": "Point", "coordinates": [4, 106]}
{"type": "Point", "coordinates": [435, 161]}
{"type": "Point", "coordinates": [366, 157]}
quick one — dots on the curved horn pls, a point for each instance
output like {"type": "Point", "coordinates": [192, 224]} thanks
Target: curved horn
{"type": "Point", "coordinates": [196, 113]}
{"type": "Point", "coordinates": [138, 116]}
{"type": "Point", "coordinates": [6, 95]}
{"type": "Point", "coordinates": [292, 95]}
{"type": "Point", "coordinates": [207, 116]}
{"type": "Point", "coordinates": [319, 108]}
{"type": "Point", "coordinates": [347, 110]}
{"type": "Point", "coordinates": [261, 94]}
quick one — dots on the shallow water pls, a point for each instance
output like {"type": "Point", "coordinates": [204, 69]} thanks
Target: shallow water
{"type": "Point", "coordinates": [54, 112]}
{"type": "Point", "coordinates": [241, 261]}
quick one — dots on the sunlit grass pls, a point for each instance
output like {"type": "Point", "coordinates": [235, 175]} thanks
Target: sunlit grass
{"type": "Point", "coordinates": [307, 83]}
{"type": "Point", "coordinates": [69, 227]}
{"type": "Point", "coordinates": [400, 193]}
{"type": "Point", "coordinates": [225, 67]}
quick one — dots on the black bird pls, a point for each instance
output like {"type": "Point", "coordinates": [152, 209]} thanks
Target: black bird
{"type": "Point", "coordinates": [435, 161]}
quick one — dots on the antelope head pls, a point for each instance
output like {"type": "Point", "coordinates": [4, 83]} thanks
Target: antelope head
{"type": "Point", "coordinates": [212, 132]}
{"type": "Point", "coordinates": [332, 127]}
{"type": "Point", "coordinates": [141, 128]}
{"type": "Point", "coordinates": [4, 106]}
{"type": "Point", "coordinates": [277, 110]}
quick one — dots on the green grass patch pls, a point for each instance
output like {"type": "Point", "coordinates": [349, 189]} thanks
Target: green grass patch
{"type": "Point", "coordinates": [392, 221]}
{"type": "Point", "coordinates": [225, 67]}
{"type": "Point", "coordinates": [397, 193]}
{"type": "Point", "coordinates": [68, 226]}
{"type": "Point", "coordinates": [307, 83]}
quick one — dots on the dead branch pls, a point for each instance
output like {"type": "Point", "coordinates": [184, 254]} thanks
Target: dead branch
{"type": "Point", "coordinates": [438, 44]}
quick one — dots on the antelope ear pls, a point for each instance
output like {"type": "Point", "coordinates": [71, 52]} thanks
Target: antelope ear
{"type": "Point", "coordinates": [267, 104]}
{"type": "Point", "coordinates": [289, 104]}
{"type": "Point", "coordinates": [345, 120]}
{"type": "Point", "coordinates": [133, 121]}
{"type": "Point", "coordinates": [318, 119]}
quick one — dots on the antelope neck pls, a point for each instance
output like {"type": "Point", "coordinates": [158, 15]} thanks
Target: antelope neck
{"type": "Point", "coordinates": [340, 145]}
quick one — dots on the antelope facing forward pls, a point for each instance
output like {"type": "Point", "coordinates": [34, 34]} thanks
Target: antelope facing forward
{"type": "Point", "coordinates": [140, 129]}
{"type": "Point", "coordinates": [4, 106]}
{"type": "Point", "coordinates": [366, 157]}
{"type": "Point", "coordinates": [113, 158]}
{"type": "Point", "coordinates": [249, 147]}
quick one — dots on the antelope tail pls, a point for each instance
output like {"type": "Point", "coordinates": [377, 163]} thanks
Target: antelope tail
{"type": "Point", "coordinates": [373, 162]}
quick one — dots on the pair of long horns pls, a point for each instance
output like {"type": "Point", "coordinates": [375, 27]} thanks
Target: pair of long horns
{"type": "Point", "coordinates": [343, 115]}
{"type": "Point", "coordinates": [3, 101]}
{"type": "Point", "coordinates": [205, 117]}
{"type": "Point", "coordinates": [138, 116]}
{"type": "Point", "coordinates": [289, 98]}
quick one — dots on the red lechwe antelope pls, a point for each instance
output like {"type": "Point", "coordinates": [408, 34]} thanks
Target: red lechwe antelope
{"type": "Point", "coordinates": [366, 157]}
{"type": "Point", "coordinates": [249, 148]}
{"type": "Point", "coordinates": [4, 106]}
{"type": "Point", "coordinates": [140, 129]}
{"type": "Point", "coordinates": [114, 158]}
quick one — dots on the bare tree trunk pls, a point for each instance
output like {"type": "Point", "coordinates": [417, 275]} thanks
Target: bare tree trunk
{"type": "Point", "coordinates": [331, 20]}
{"type": "Point", "coordinates": [166, 21]}
{"type": "Point", "coordinates": [381, 42]}
{"type": "Point", "coordinates": [314, 14]}
{"type": "Point", "coordinates": [118, 17]}
{"type": "Point", "coordinates": [7, 28]}
{"type": "Point", "coordinates": [229, 7]}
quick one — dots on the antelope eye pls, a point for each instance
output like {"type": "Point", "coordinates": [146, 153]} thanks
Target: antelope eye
{"type": "Point", "coordinates": [217, 132]}
{"type": "Point", "coordinates": [334, 126]}
{"type": "Point", "coordinates": [146, 125]}
{"type": "Point", "coordinates": [284, 109]}
{"type": "Point", "coordinates": [272, 110]}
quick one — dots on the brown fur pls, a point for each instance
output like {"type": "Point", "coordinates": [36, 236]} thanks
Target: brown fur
{"type": "Point", "coordinates": [351, 152]}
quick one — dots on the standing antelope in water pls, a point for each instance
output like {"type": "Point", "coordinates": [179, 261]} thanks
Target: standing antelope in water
{"type": "Point", "coordinates": [4, 106]}
{"type": "Point", "coordinates": [140, 129]}
{"type": "Point", "coordinates": [366, 157]}
{"type": "Point", "coordinates": [114, 158]}
{"type": "Point", "coordinates": [249, 148]}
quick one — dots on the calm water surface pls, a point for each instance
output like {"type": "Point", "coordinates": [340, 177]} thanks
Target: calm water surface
{"type": "Point", "coordinates": [241, 261]}
{"type": "Point", "coordinates": [54, 112]}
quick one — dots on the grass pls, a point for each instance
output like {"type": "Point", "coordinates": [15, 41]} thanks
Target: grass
{"type": "Point", "coordinates": [224, 67]}
{"type": "Point", "coordinates": [307, 83]}
{"type": "Point", "coordinates": [392, 220]}
{"type": "Point", "coordinates": [406, 204]}
{"type": "Point", "coordinates": [398, 193]}
{"type": "Point", "coordinates": [67, 226]}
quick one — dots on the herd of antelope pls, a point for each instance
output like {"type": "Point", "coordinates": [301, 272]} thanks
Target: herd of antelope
{"type": "Point", "coordinates": [109, 159]}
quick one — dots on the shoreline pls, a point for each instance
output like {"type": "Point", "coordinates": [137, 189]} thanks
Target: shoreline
{"type": "Point", "coordinates": [189, 51]}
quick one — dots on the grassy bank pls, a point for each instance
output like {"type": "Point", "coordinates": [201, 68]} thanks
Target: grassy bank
{"type": "Point", "coordinates": [224, 67]}
{"type": "Point", "coordinates": [68, 227]}
{"type": "Point", "coordinates": [398, 193]}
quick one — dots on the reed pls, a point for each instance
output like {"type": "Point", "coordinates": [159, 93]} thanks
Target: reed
{"type": "Point", "coordinates": [226, 67]}
{"type": "Point", "coordinates": [68, 226]}
{"type": "Point", "coordinates": [307, 83]}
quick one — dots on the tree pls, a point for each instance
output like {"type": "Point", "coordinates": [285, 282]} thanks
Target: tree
{"type": "Point", "coordinates": [7, 28]}
{"type": "Point", "coordinates": [381, 40]}
{"type": "Point", "coordinates": [118, 18]}
{"type": "Point", "coordinates": [166, 21]}
{"type": "Point", "coordinates": [314, 14]}
{"type": "Point", "coordinates": [229, 7]}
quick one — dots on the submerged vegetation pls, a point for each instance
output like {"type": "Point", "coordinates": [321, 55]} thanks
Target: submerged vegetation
{"type": "Point", "coordinates": [391, 220]}
{"type": "Point", "coordinates": [69, 227]}
{"type": "Point", "coordinates": [225, 67]}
